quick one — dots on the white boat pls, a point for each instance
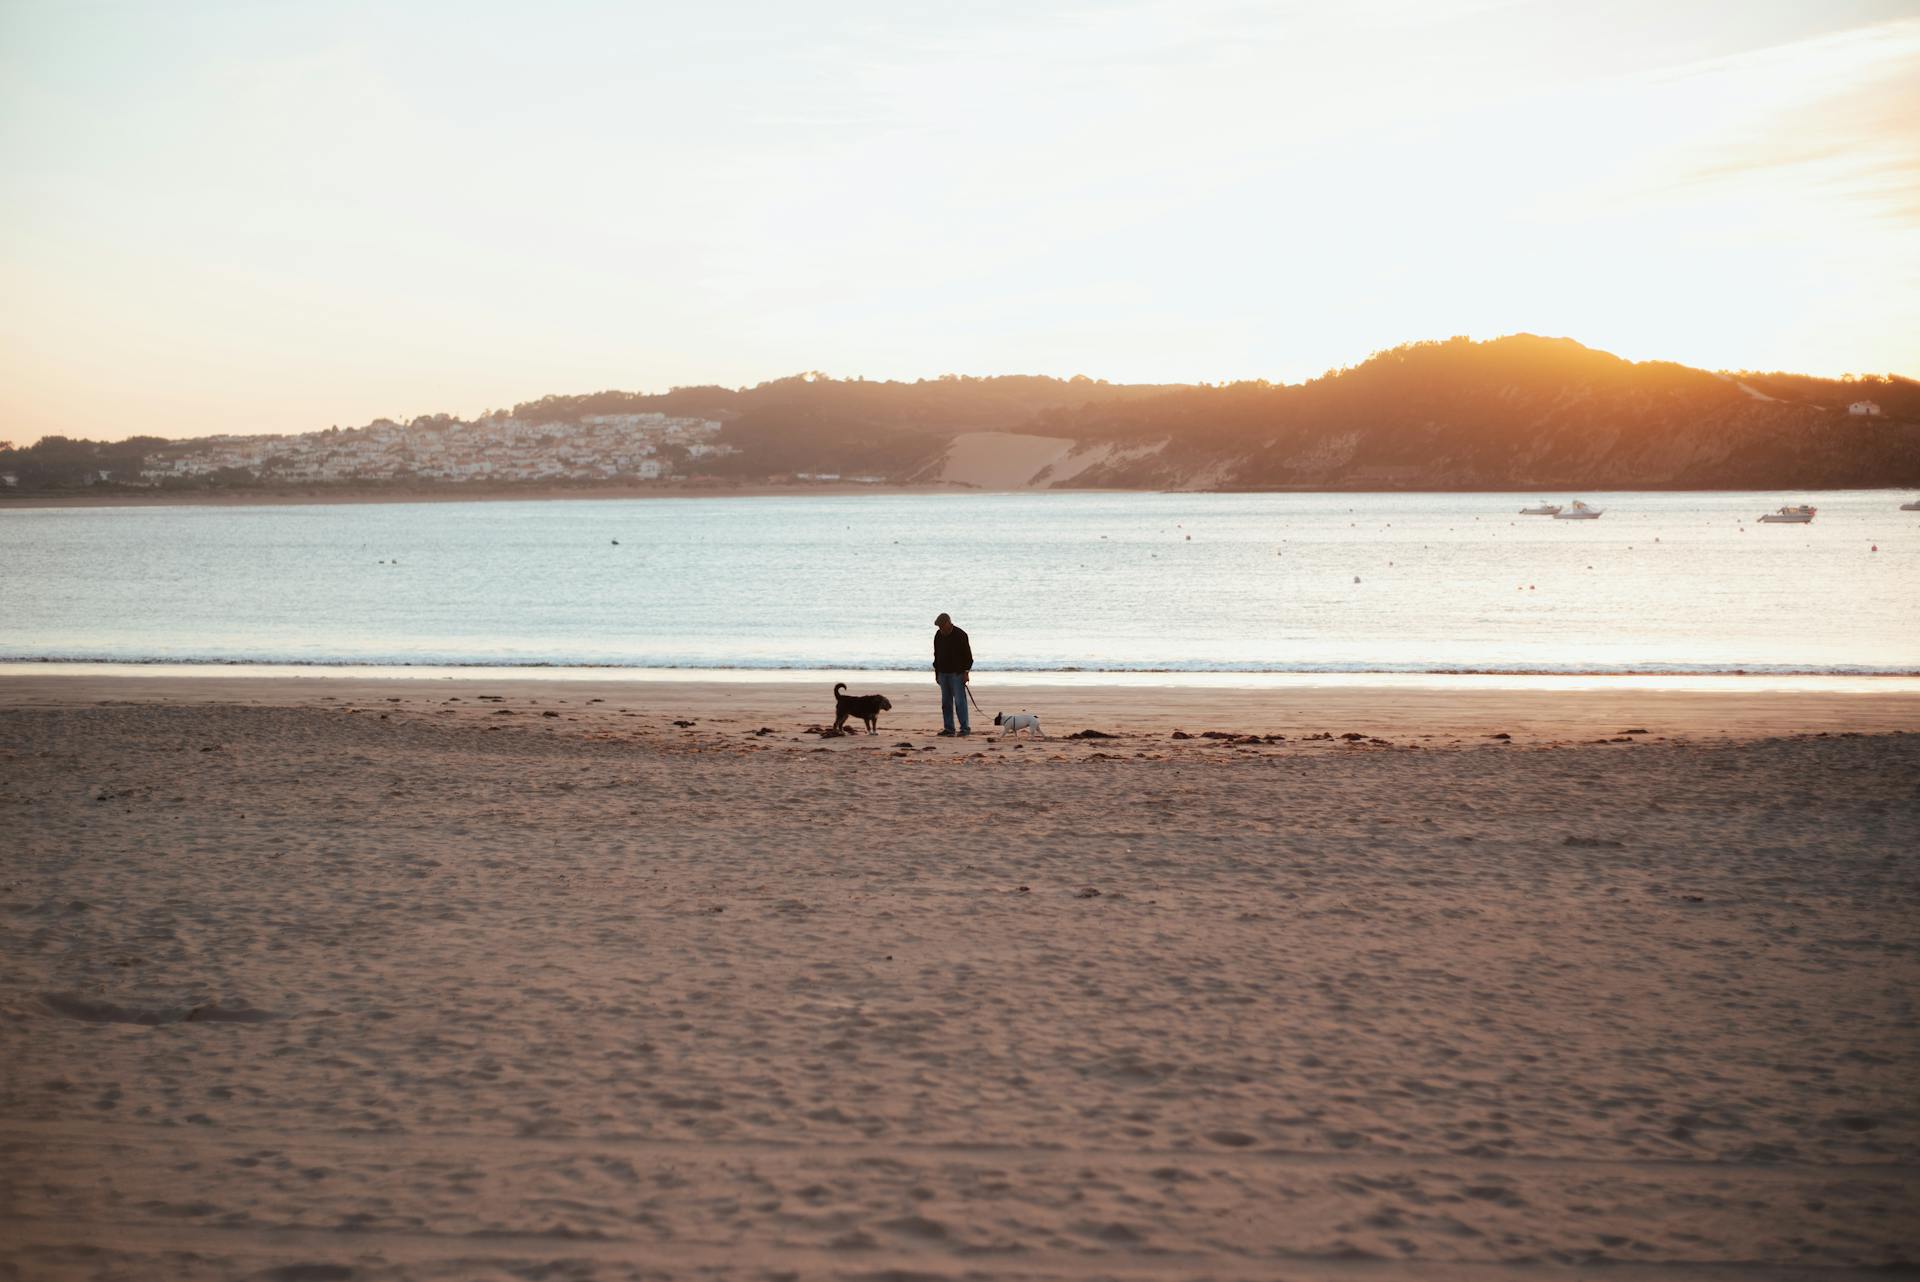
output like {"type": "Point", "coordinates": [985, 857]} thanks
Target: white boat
{"type": "Point", "coordinates": [1578, 511]}
{"type": "Point", "coordinates": [1911, 507]}
{"type": "Point", "coordinates": [1800, 515]}
{"type": "Point", "coordinates": [1541, 509]}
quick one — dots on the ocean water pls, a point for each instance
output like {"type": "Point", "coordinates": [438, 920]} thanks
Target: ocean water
{"type": "Point", "coordinates": [1683, 583]}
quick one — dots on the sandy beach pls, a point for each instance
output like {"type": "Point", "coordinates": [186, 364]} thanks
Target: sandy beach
{"type": "Point", "coordinates": [379, 979]}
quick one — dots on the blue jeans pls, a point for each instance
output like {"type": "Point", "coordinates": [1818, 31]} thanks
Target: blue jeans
{"type": "Point", "coordinates": [953, 694]}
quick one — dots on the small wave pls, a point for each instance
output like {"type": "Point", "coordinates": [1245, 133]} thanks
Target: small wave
{"type": "Point", "coordinates": [1035, 667]}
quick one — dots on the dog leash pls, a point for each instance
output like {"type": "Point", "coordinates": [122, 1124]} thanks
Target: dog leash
{"type": "Point", "coordinates": [976, 703]}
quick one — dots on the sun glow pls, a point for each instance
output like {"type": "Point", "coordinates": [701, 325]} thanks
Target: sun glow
{"type": "Point", "coordinates": [275, 218]}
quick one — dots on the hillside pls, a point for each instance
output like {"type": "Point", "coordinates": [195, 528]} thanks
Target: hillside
{"type": "Point", "coordinates": [1513, 413]}
{"type": "Point", "coordinates": [1521, 412]}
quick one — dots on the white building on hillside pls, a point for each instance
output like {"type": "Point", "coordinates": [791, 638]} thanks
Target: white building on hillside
{"type": "Point", "coordinates": [1870, 409]}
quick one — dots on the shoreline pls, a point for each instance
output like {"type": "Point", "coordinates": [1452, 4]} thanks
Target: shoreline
{"type": "Point", "coordinates": [531, 494]}
{"type": "Point", "coordinates": [1739, 681]}
{"type": "Point", "coordinates": [756, 490]}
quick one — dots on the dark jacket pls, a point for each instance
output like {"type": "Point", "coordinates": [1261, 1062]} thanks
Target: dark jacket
{"type": "Point", "coordinates": [951, 653]}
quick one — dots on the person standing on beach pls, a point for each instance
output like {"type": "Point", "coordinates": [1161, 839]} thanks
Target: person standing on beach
{"type": "Point", "coordinates": [952, 664]}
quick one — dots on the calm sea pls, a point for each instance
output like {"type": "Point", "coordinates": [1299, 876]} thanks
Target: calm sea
{"type": "Point", "coordinates": [1663, 583]}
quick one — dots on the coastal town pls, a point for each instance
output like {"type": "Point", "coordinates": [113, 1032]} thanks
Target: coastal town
{"type": "Point", "coordinates": [645, 447]}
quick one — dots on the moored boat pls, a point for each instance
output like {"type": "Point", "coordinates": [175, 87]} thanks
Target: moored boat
{"type": "Point", "coordinates": [1911, 507]}
{"type": "Point", "coordinates": [1542, 508]}
{"type": "Point", "coordinates": [1798, 515]}
{"type": "Point", "coordinates": [1579, 511]}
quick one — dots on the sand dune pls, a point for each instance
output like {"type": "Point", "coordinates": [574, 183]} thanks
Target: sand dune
{"type": "Point", "coordinates": [457, 980]}
{"type": "Point", "coordinates": [1010, 460]}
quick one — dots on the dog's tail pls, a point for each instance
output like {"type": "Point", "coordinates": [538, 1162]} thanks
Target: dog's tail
{"type": "Point", "coordinates": [838, 686]}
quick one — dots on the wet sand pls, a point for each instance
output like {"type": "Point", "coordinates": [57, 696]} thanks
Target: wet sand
{"type": "Point", "coordinates": [474, 979]}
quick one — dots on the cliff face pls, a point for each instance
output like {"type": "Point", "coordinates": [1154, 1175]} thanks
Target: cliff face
{"type": "Point", "coordinates": [1514, 413]}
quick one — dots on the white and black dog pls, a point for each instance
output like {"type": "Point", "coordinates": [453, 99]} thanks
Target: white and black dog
{"type": "Point", "coordinates": [1012, 722]}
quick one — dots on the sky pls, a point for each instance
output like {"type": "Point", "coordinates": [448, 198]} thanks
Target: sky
{"type": "Point", "coordinates": [275, 217]}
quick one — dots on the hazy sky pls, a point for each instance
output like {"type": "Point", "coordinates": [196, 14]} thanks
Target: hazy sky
{"type": "Point", "coordinates": [275, 216]}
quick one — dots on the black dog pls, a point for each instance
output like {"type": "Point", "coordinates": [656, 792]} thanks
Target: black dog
{"type": "Point", "coordinates": [867, 707]}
